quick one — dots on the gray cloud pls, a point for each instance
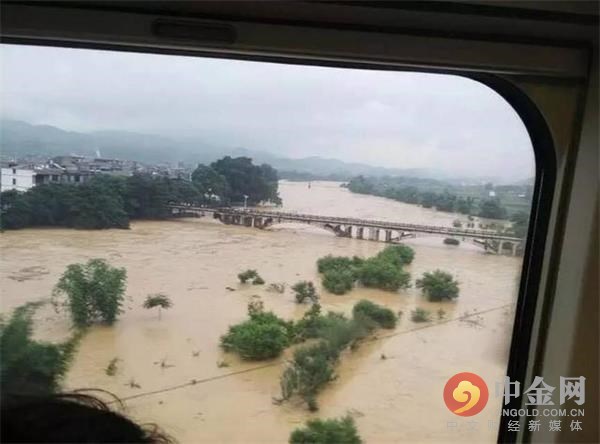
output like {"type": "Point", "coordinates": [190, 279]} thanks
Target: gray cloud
{"type": "Point", "coordinates": [394, 119]}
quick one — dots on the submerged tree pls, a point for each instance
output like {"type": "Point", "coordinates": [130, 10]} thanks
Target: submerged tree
{"type": "Point", "coordinates": [159, 300]}
{"type": "Point", "coordinates": [305, 290]}
{"type": "Point", "coordinates": [327, 431]}
{"type": "Point", "coordinates": [94, 291]}
{"type": "Point", "coordinates": [252, 276]}
{"type": "Point", "coordinates": [438, 285]}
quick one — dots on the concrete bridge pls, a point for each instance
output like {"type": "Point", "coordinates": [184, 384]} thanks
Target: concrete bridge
{"type": "Point", "coordinates": [374, 230]}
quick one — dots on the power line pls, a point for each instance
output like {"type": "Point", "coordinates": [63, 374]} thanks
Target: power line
{"type": "Point", "coordinates": [273, 364]}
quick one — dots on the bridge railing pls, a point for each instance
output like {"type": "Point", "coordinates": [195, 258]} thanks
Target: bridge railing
{"type": "Point", "coordinates": [352, 221]}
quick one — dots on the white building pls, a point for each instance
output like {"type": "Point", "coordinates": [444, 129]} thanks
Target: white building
{"type": "Point", "coordinates": [17, 178]}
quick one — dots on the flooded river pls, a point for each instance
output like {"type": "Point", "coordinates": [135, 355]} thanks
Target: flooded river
{"type": "Point", "coordinates": [172, 372]}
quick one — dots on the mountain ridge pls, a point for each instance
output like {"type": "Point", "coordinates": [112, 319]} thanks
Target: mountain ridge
{"type": "Point", "coordinates": [18, 138]}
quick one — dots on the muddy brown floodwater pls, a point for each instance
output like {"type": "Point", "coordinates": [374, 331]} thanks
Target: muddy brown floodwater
{"type": "Point", "coordinates": [397, 399]}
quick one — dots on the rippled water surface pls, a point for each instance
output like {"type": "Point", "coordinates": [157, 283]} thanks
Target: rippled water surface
{"type": "Point", "coordinates": [396, 399]}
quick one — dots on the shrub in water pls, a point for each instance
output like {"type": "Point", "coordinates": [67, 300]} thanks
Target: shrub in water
{"type": "Point", "coordinates": [420, 315]}
{"type": "Point", "coordinates": [438, 285]}
{"type": "Point", "coordinates": [159, 300]}
{"type": "Point", "coordinates": [397, 254]}
{"type": "Point", "coordinates": [379, 273]}
{"type": "Point", "coordinates": [311, 368]}
{"type": "Point", "coordinates": [338, 280]}
{"type": "Point", "coordinates": [330, 262]}
{"type": "Point", "coordinates": [263, 336]}
{"type": "Point", "coordinates": [305, 290]}
{"type": "Point", "coordinates": [94, 291]}
{"type": "Point", "coordinates": [327, 431]}
{"type": "Point", "coordinates": [249, 275]}
{"type": "Point", "coordinates": [384, 317]}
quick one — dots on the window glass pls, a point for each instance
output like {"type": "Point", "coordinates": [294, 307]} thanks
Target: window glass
{"type": "Point", "coordinates": [231, 205]}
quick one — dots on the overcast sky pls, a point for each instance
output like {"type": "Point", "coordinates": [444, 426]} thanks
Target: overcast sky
{"type": "Point", "coordinates": [393, 119]}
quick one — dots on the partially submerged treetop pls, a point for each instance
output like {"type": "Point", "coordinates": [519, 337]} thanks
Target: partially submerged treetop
{"type": "Point", "coordinates": [94, 290]}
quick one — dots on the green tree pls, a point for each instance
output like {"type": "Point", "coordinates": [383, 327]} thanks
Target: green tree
{"type": "Point", "coordinates": [384, 317]}
{"type": "Point", "coordinates": [210, 183]}
{"type": "Point", "coordinates": [327, 431]}
{"type": "Point", "coordinates": [259, 183]}
{"type": "Point", "coordinates": [16, 210]}
{"type": "Point", "coordinates": [99, 204]}
{"type": "Point", "coordinates": [160, 300]}
{"type": "Point", "coordinates": [94, 291]}
{"type": "Point", "coordinates": [397, 255]}
{"type": "Point", "coordinates": [379, 273]}
{"type": "Point", "coordinates": [304, 290]}
{"type": "Point", "coordinates": [339, 280]}
{"type": "Point", "coordinates": [30, 367]}
{"type": "Point", "coordinates": [520, 224]}
{"type": "Point", "coordinates": [492, 209]}
{"type": "Point", "coordinates": [263, 336]}
{"type": "Point", "coordinates": [438, 285]}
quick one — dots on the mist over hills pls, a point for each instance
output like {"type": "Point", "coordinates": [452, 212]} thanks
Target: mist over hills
{"type": "Point", "coordinates": [19, 138]}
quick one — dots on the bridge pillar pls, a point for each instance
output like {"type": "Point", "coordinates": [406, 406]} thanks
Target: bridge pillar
{"type": "Point", "coordinates": [374, 234]}
{"type": "Point", "coordinates": [360, 231]}
{"type": "Point", "coordinates": [513, 248]}
{"type": "Point", "coordinates": [226, 219]}
{"type": "Point", "coordinates": [258, 222]}
{"type": "Point", "coordinates": [388, 235]}
{"type": "Point", "coordinates": [349, 231]}
{"type": "Point", "coordinates": [248, 221]}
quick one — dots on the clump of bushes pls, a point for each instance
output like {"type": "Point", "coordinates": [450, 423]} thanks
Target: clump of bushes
{"type": "Point", "coordinates": [398, 255]}
{"type": "Point", "coordinates": [382, 271]}
{"type": "Point", "coordinates": [311, 368]}
{"type": "Point", "coordinates": [420, 315]}
{"type": "Point", "coordinates": [94, 292]}
{"type": "Point", "coordinates": [330, 262]}
{"type": "Point", "coordinates": [263, 336]}
{"type": "Point", "coordinates": [451, 241]}
{"type": "Point", "coordinates": [384, 317]}
{"type": "Point", "coordinates": [327, 431]}
{"type": "Point", "coordinates": [305, 290]}
{"type": "Point", "coordinates": [314, 366]}
{"type": "Point", "coordinates": [438, 286]}
{"type": "Point", "coordinates": [252, 276]}
{"type": "Point", "coordinates": [30, 367]}
{"type": "Point", "coordinates": [339, 280]}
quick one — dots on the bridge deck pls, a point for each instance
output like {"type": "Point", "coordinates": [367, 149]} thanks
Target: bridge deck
{"type": "Point", "coordinates": [379, 224]}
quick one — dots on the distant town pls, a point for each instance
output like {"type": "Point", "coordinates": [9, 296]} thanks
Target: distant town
{"type": "Point", "coordinates": [22, 174]}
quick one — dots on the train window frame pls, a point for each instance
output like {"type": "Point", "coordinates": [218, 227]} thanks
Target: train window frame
{"type": "Point", "coordinates": [529, 300]}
